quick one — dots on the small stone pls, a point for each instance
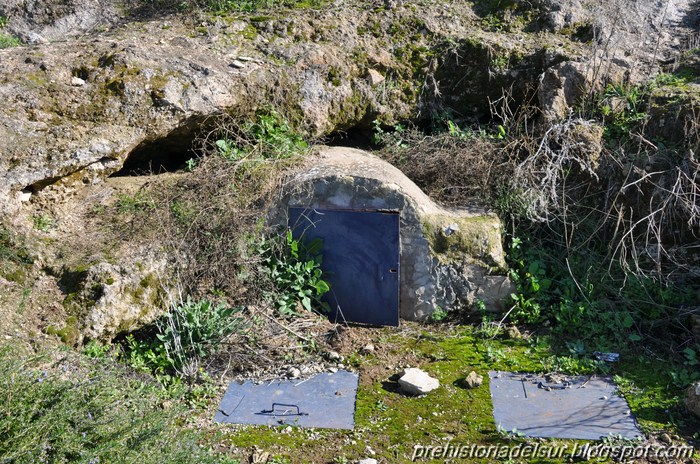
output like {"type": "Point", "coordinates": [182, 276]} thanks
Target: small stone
{"type": "Point", "coordinates": [666, 438]}
{"type": "Point", "coordinates": [333, 356]}
{"type": "Point", "coordinates": [32, 38]}
{"type": "Point", "coordinates": [77, 82]}
{"type": "Point", "coordinates": [473, 380]}
{"type": "Point", "coordinates": [238, 64]}
{"type": "Point", "coordinates": [374, 77]}
{"type": "Point", "coordinates": [293, 373]}
{"type": "Point", "coordinates": [514, 333]}
{"type": "Point", "coordinates": [451, 229]}
{"type": "Point", "coordinates": [25, 196]}
{"type": "Point", "coordinates": [367, 461]}
{"type": "Point", "coordinates": [368, 348]}
{"type": "Point", "coordinates": [417, 382]}
{"type": "Point", "coordinates": [333, 370]}
{"type": "Point", "coordinates": [245, 58]}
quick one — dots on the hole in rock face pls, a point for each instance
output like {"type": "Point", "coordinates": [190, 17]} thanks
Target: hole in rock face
{"type": "Point", "coordinates": [356, 137]}
{"type": "Point", "coordinates": [165, 154]}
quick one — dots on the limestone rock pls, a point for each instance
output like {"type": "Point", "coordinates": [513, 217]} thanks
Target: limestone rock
{"type": "Point", "coordinates": [562, 86]}
{"type": "Point", "coordinates": [564, 13]}
{"type": "Point", "coordinates": [692, 400]}
{"type": "Point", "coordinates": [32, 38]}
{"type": "Point", "coordinates": [473, 380]}
{"type": "Point", "coordinates": [367, 461]}
{"type": "Point", "coordinates": [417, 382]}
{"type": "Point", "coordinates": [374, 77]}
{"type": "Point", "coordinates": [58, 19]}
{"type": "Point", "coordinates": [118, 298]}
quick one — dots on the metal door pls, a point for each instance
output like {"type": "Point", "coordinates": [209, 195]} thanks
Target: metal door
{"type": "Point", "coordinates": [360, 259]}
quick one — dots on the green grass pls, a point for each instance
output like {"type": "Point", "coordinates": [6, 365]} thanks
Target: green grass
{"type": "Point", "coordinates": [257, 5]}
{"type": "Point", "coordinates": [79, 410]}
{"type": "Point", "coordinates": [68, 407]}
{"type": "Point", "coordinates": [15, 259]}
{"type": "Point", "coordinates": [7, 41]}
{"type": "Point", "coordinates": [391, 424]}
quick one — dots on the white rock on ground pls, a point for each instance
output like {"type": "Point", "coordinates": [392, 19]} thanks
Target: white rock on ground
{"type": "Point", "coordinates": [473, 380]}
{"type": "Point", "coordinates": [417, 382]}
{"type": "Point", "coordinates": [367, 461]}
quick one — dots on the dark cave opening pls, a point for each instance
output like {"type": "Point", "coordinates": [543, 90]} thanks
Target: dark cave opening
{"type": "Point", "coordinates": [161, 155]}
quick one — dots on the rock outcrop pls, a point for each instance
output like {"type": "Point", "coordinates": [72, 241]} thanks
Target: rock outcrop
{"type": "Point", "coordinates": [98, 85]}
{"type": "Point", "coordinates": [72, 112]}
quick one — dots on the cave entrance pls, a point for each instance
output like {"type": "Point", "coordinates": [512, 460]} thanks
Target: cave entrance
{"type": "Point", "coordinates": [165, 154]}
{"type": "Point", "coordinates": [361, 255]}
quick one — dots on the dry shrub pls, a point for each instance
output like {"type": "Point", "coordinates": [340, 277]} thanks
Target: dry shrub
{"type": "Point", "coordinates": [455, 171]}
{"type": "Point", "coordinates": [211, 219]}
{"type": "Point", "coordinates": [570, 144]}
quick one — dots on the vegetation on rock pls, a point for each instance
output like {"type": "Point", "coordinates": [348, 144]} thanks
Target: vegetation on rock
{"type": "Point", "coordinates": [600, 208]}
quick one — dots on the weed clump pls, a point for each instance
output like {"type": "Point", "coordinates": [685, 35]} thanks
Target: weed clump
{"type": "Point", "coordinates": [89, 411]}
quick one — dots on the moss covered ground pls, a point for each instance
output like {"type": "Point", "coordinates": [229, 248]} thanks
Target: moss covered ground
{"type": "Point", "coordinates": [66, 406]}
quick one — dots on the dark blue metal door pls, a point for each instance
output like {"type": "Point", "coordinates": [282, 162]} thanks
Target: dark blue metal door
{"type": "Point", "coordinates": [361, 259]}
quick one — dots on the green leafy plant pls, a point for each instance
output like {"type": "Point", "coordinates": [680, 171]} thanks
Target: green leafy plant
{"type": "Point", "coordinates": [94, 349]}
{"type": "Point", "coordinates": [229, 150]}
{"type": "Point", "coordinates": [192, 330]}
{"type": "Point", "coordinates": [7, 41]}
{"type": "Point", "coordinates": [87, 410]}
{"type": "Point", "coordinates": [683, 376]}
{"type": "Point", "coordinates": [43, 222]}
{"type": "Point", "coordinates": [268, 137]}
{"type": "Point", "coordinates": [188, 333]}
{"type": "Point", "coordinates": [438, 314]}
{"type": "Point", "coordinates": [295, 271]}
{"type": "Point", "coordinates": [389, 138]}
{"type": "Point", "coordinates": [132, 204]}
{"type": "Point", "coordinates": [529, 276]}
{"type": "Point", "coordinates": [623, 108]}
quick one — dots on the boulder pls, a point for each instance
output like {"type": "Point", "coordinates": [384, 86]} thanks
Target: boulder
{"type": "Point", "coordinates": [115, 299]}
{"type": "Point", "coordinates": [417, 382]}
